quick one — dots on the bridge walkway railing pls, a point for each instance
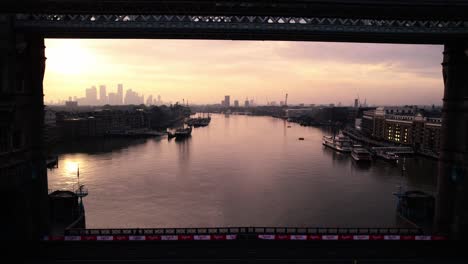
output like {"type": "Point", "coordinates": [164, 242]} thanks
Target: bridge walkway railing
{"type": "Point", "coordinates": [246, 231]}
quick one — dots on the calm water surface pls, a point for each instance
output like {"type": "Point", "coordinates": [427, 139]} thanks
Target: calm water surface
{"type": "Point", "coordinates": [238, 171]}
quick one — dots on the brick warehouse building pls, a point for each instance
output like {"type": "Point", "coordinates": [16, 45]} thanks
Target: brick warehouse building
{"type": "Point", "coordinates": [404, 125]}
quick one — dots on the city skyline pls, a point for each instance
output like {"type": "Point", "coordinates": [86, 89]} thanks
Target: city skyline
{"type": "Point", "coordinates": [311, 72]}
{"type": "Point", "coordinates": [112, 98]}
{"type": "Point", "coordinates": [131, 97]}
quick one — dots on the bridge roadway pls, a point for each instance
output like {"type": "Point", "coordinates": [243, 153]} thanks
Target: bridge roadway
{"type": "Point", "coordinates": [232, 233]}
{"type": "Point", "coordinates": [244, 244]}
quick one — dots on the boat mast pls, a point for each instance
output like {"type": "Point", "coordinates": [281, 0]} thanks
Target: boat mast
{"type": "Point", "coordinates": [334, 132]}
{"type": "Point", "coordinates": [79, 190]}
{"type": "Point", "coordinates": [78, 174]}
{"type": "Point", "coordinates": [403, 168]}
{"type": "Point", "coordinates": [403, 172]}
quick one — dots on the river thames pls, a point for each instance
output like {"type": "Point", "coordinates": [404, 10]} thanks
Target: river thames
{"type": "Point", "coordinates": [238, 171]}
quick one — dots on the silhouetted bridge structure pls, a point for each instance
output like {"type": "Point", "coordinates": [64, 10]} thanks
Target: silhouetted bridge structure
{"type": "Point", "coordinates": [25, 24]}
{"type": "Point", "coordinates": [244, 233]}
{"type": "Point", "coordinates": [370, 21]}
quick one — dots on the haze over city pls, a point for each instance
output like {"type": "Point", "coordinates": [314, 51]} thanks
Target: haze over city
{"type": "Point", "coordinates": [203, 71]}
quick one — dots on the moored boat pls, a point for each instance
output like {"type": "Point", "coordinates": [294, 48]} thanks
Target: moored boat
{"type": "Point", "coordinates": [183, 132]}
{"type": "Point", "coordinates": [361, 154]}
{"type": "Point", "coordinates": [339, 143]}
{"type": "Point", "coordinates": [388, 156]}
{"type": "Point", "coordinates": [170, 135]}
{"type": "Point", "coordinates": [200, 121]}
{"type": "Point", "coordinates": [52, 162]}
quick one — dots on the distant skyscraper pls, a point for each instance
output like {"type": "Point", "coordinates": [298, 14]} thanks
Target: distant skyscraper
{"type": "Point", "coordinates": [222, 102]}
{"type": "Point", "coordinates": [128, 96]}
{"type": "Point", "coordinates": [132, 98]}
{"type": "Point", "coordinates": [356, 102]}
{"type": "Point", "coordinates": [149, 100]}
{"type": "Point", "coordinates": [159, 99]}
{"type": "Point", "coordinates": [236, 103]}
{"type": "Point", "coordinates": [91, 96]}
{"type": "Point", "coordinates": [102, 94]}
{"type": "Point", "coordinates": [246, 103]}
{"type": "Point", "coordinates": [251, 102]}
{"type": "Point", "coordinates": [227, 100]}
{"type": "Point", "coordinates": [113, 99]}
{"type": "Point", "coordinates": [120, 93]}
{"type": "Point", "coordinates": [70, 103]}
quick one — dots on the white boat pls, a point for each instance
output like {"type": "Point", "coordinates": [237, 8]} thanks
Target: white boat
{"type": "Point", "coordinates": [361, 154]}
{"type": "Point", "coordinates": [340, 143]}
{"type": "Point", "coordinates": [389, 156]}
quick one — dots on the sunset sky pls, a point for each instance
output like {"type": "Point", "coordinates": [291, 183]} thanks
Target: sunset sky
{"type": "Point", "coordinates": [203, 71]}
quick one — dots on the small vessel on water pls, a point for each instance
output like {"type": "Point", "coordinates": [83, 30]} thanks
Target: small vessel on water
{"type": "Point", "coordinates": [415, 206]}
{"type": "Point", "coordinates": [180, 133]}
{"type": "Point", "coordinates": [183, 132]}
{"type": "Point", "coordinates": [67, 208]}
{"type": "Point", "coordinates": [340, 143]}
{"type": "Point", "coordinates": [388, 156]}
{"type": "Point", "coordinates": [200, 121]}
{"type": "Point", "coordinates": [361, 154]}
{"type": "Point", "coordinates": [392, 154]}
{"type": "Point", "coordinates": [52, 162]}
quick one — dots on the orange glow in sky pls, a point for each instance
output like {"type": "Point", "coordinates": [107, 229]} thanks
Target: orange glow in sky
{"type": "Point", "coordinates": [203, 71]}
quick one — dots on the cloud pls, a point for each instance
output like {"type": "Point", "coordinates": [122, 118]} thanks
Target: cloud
{"type": "Point", "coordinates": [419, 59]}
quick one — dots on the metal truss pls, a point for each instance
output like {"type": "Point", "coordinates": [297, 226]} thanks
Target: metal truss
{"type": "Point", "coordinates": [244, 24]}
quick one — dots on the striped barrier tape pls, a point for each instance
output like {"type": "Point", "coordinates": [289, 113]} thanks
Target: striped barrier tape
{"type": "Point", "coordinates": [235, 236]}
{"type": "Point", "coordinates": [350, 237]}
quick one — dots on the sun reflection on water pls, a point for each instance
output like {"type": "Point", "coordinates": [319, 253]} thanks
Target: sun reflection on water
{"type": "Point", "coordinates": [71, 167]}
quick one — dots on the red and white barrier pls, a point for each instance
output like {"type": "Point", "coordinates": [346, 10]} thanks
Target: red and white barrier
{"type": "Point", "coordinates": [348, 237]}
{"type": "Point", "coordinates": [235, 236]}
